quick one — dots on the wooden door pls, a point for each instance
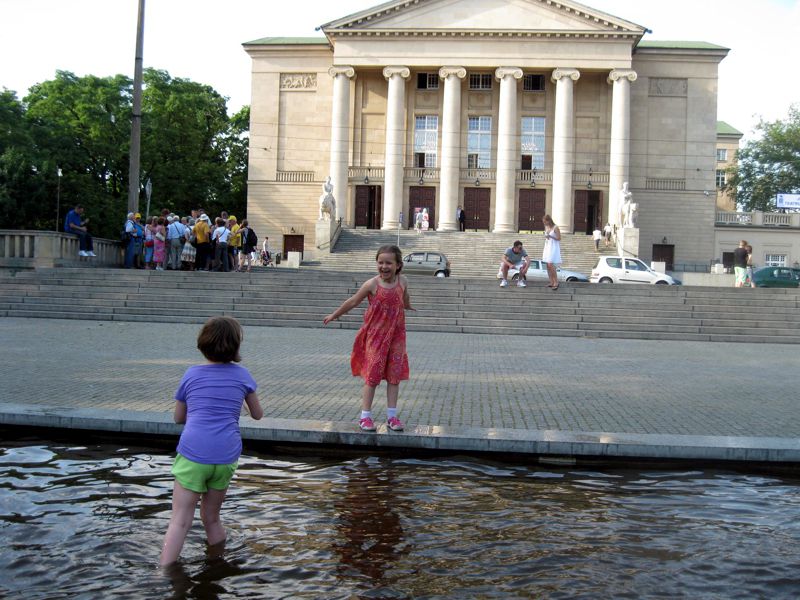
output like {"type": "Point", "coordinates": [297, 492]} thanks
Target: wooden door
{"type": "Point", "coordinates": [422, 197]}
{"type": "Point", "coordinates": [476, 208]}
{"type": "Point", "coordinates": [362, 206]}
{"type": "Point", "coordinates": [588, 211]}
{"type": "Point", "coordinates": [665, 253]}
{"type": "Point", "coordinates": [368, 206]}
{"type": "Point", "coordinates": [293, 243]}
{"type": "Point", "coordinates": [532, 205]}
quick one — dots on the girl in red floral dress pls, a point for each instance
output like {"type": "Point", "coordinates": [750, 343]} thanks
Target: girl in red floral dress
{"type": "Point", "coordinates": [379, 350]}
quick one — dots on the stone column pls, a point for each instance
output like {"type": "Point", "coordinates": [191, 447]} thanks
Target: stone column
{"type": "Point", "coordinates": [507, 158]}
{"type": "Point", "coordinates": [340, 135]}
{"type": "Point", "coordinates": [619, 151]}
{"type": "Point", "coordinates": [395, 144]}
{"type": "Point", "coordinates": [451, 147]}
{"type": "Point", "coordinates": [563, 148]}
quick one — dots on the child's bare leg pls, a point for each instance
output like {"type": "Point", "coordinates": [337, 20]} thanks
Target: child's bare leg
{"type": "Point", "coordinates": [183, 504]}
{"type": "Point", "coordinates": [392, 392]}
{"type": "Point", "coordinates": [209, 513]}
{"type": "Point", "coordinates": [367, 396]}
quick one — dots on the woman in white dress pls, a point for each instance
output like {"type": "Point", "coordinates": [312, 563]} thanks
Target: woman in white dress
{"type": "Point", "coordinates": [552, 250]}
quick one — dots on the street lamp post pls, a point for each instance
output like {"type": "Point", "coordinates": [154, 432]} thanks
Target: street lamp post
{"type": "Point", "coordinates": [58, 198]}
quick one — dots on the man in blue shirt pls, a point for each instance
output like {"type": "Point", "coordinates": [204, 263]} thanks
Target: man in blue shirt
{"type": "Point", "coordinates": [75, 224]}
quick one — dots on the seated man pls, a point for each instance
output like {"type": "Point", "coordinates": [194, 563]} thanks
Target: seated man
{"type": "Point", "coordinates": [75, 223]}
{"type": "Point", "coordinates": [514, 258]}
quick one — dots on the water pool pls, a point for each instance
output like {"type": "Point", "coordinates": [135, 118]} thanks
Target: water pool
{"type": "Point", "coordinates": [87, 522]}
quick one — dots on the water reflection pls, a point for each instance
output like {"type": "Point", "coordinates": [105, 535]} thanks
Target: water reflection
{"type": "Point", "coordinates": [87, 522]}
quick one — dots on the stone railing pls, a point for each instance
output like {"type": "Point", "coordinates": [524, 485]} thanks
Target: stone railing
{"type": "Point", "coordinates": [295, 176]}
{"type": "Point", "coordinates": [26, 249]}
{"type": "Point", "coordinates": [421, 174]}
{"type": "Point", "coordinates": [538, 176]}
{"type": "Point", "coordinates": [477, 175]}
{"type": "Point", "coordinates": [365, 174]}
{"type": "Point", "coordinates": [665, 184]}
{"type": "Point", "coordinates": [584, 177]}
{"type": "Point", "coordinates": [758, 219]}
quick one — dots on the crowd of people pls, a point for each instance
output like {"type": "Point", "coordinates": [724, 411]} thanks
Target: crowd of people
{"type": "Point", "coordinates": [193, 243]}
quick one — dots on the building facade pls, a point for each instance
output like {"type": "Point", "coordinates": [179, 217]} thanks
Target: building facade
{"type": "Point", "coordinates": [508, 109]}
{"type": "Point", "coordinates": [727, 147]}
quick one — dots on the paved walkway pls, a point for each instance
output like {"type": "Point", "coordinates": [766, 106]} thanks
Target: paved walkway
{"type": "Point", "coordinates": [515, 389]}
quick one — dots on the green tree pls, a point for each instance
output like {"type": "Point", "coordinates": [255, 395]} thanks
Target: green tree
{"type": "Point", "coordinates": [768, 165]}
{"type": "Point", "coordinates": [238, 152]}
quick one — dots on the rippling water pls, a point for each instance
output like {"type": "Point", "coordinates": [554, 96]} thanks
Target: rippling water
{"type": "Point", "coordinates": [84, 522]}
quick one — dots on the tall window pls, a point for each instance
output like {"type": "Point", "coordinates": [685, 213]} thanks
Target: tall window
{"type": "Point", "coordinates": [532, 143]}
{"type": "Point", "coordinates": [533, 83]}
{"type": "Point", "coordinates": [426, 132]}
{"type": "Point", "coordinates": [427, 81]}
{"type": "Point", "coordinates": [479, 143]}
{"type": "Point", "coordinates": [722, 154]}
{"type": "Point", "coordinates": [480, 81]}
{"type": "Point", "coordinates": [721, 178]}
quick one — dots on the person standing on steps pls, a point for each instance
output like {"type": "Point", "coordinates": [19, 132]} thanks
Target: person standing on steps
{"type": "Point", "coordinates": [740, 263]}
{"type": "Point", "coordinates": [552, 250]}
{"type": "Point", "coordinates": [461, 217]}
{"type": "Point", "coordinates": [597, 235]}
{"type": "Point", "coordinates": [514, 258]}
{"type": "Point", "coordinates": [607, 231]}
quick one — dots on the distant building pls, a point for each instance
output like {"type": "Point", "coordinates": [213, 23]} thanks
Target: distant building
{"type": "Point", "coordinates": [727, 147]}
{"type": "Point", "coordinates": [509, 109]}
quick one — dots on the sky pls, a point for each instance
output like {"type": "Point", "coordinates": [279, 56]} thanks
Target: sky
{"type": "Point", "coordinates": [202, 40]}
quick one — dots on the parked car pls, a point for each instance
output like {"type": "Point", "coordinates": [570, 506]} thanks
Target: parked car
{"type": "Point", "coordinates": [538, 270]}
{"type": "Point", "coordinates": [776, 277]}
{"type": "Point", "coordinates": [617, 269]}
{"type": "Point", "coordinates": [426, 263]}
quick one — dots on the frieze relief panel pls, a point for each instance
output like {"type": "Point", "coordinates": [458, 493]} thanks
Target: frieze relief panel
{"type": "Point", "coordinates": [480, 100]}
{"type": "Point", "coordinates": [298, 81]}
{"type": "Point", "coordinates": [669, 86]}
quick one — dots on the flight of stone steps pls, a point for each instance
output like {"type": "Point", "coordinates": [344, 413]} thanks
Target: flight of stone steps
{"type": "Point", "coordinates": [302, 297]}
{"type": "Point", "coordinates": [471, 254]}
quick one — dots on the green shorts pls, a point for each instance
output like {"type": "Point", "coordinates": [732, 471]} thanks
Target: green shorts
{"type": "Point", "coordinates": [197, 477]}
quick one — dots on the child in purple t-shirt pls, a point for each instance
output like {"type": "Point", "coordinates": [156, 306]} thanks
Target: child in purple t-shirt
{"type": "Point", "coordinates": [209, 400]}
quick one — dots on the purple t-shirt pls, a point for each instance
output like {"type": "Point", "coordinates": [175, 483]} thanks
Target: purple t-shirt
{"type": "Point", "coordinates": [214, 394]}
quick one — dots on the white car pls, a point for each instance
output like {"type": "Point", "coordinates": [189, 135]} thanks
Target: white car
{"type": "Point", "coordinates": [538, 270]}
{"type": "Point", "coordinates": [616, 269]}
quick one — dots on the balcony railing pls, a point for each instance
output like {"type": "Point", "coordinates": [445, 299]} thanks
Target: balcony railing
{"type": "Point", "coordinates": [295, 176]}
{"type": "Point", "coordinates": [584, 177]}
{"type": "Point", "coordinates": [539, 176]}
{"type": "Point", "coordinates": [421, 174]}
{"type": "Point", "coordinates": [370, 173]}
{"type": "Point", "coordinates": [665, 184]}
{"type": "Point", "coordinates": [478, 175]}
{"type": "Point", "coordinates": [758, 219]}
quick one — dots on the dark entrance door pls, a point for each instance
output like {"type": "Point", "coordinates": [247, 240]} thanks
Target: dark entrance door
{"type": "Point", "coordinates": [292, 243]}
{"type": "Point", "coordinates": [368, 206]}
{"type": "Point", "coordinates": [665, 253]}
{"type": "Point", "coordinates": [422, 197]}
{"type": "Point", "coordinates": [476, 208]}
{"type": "Point", "coordinates": [588, 212]}
{"type": "Point", "coordinates": [531, 210]}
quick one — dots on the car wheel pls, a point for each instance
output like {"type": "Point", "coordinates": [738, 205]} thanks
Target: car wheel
{"type": "Point", "coordinates": [515, 277]}
{"type": "Point", "coordinates": [441, 274]}
{"type": "Point", "coordinates": [606, 280]}
{"type": "Point", "coordinates": [571, 279]}
{"type": "Point", "coordinates": [661, 283]}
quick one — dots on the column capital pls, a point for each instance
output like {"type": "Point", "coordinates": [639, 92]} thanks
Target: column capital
{"type": "Point", "coordinates": [618, 74]}
{"type": "Point", "coordinates": [503, 72]}
{"type": "Point", "coordinates": [404, 72]}
{"type": "Point", "coordinates": [446, 72]}
{"type": "Point", "coordinates": [561, 72]}
{"type": "Point", "coordinates": [345, 70]}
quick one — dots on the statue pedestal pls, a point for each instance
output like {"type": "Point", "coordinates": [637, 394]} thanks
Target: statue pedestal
{"type": "Point", "coordinates": [325, 232]}
{"type": "Point", "coordinates": [629, 240]}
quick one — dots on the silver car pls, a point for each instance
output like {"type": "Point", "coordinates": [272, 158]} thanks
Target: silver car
{"type": "Point", "coordinates": [538, 270]}
{"type": "Point", "coordinates": [426, 263]}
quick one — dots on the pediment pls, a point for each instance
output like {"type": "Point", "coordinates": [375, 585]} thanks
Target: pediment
{"type": "Point", "coordinates": [484, 16]}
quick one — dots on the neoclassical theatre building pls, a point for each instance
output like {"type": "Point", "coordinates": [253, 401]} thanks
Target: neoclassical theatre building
{"type": "Point", "coordinates": [508, 108]}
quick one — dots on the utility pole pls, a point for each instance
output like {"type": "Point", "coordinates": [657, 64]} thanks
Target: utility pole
{"type": "Point", "coordinates": [136, 123]}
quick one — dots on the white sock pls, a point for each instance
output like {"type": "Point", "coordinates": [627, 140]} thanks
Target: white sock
{"type": "Point", "coordinates": [391, 412]}
{"type": "Point", "coordinates": [366, 414]}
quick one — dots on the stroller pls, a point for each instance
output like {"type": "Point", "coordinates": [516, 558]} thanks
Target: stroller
{"type": "Point", "coordinates": [268, 259]}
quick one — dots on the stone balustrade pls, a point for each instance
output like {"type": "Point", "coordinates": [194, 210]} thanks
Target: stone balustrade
{"type": "Point", "coordinates": [29, 249]}
{"type": "Point", "coordinates": [758, 219]}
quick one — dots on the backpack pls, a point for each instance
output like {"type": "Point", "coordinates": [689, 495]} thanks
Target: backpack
{"type": "Point", "coordinates": [124, 236]}
{"type": "Point", "coordinates": [252, 238]}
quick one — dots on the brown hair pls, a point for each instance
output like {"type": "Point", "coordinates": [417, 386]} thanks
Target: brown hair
{"type": "Point", "coordinates": [391, 249]}
{"type": "Point", "coordinates": [219, 340]}
{"type": "Point", "coordinates": [548, 220]}
{"type": "Point", "coordinates": [161, 221]}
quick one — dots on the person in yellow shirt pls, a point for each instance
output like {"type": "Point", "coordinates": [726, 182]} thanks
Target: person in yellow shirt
{"type": "Point", "coordinates": [202, 233]}
{"type": "Point", "coordinates": [235, 243]}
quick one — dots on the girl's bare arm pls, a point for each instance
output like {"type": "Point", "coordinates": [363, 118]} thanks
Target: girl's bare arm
{"type": "Point", "coordinates": [180, 412]}
{"type": "Point", "coordinates": [354, 300]}
{"type": "Point", "coordinates": [254, 406]}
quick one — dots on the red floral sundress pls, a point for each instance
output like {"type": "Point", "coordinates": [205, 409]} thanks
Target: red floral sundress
{"type": "Point", "coordinates": [379, 350]}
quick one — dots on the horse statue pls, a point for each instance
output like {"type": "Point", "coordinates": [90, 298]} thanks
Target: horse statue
{"type": "Point", "coordinates": [327, 203]}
